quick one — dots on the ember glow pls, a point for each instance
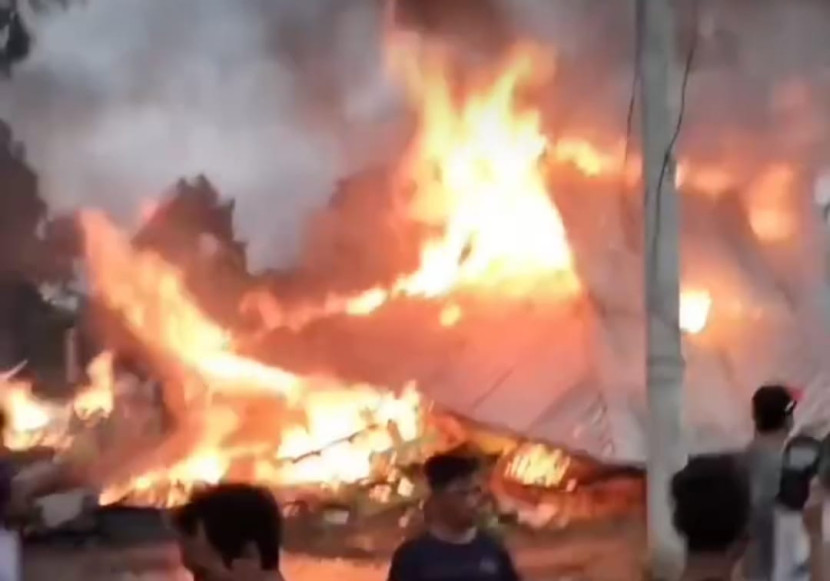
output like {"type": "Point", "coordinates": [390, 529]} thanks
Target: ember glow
{"type": "Point", "coordinates": [537, 465]}
{"type": "Point", "coordinates": [34, 421]}
{"type": "Point", "coordinates": [28, 416]}
{"type": "Point", "coordinates": [334, 450]}
{"type": "Point", "coordinates": [694, 310]}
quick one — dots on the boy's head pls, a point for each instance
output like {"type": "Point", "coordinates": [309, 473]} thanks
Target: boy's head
{"type": "Point", "coordinates": [224, 529]}
{"type": "Point", "coordinates": [772, 409]}
{"type": "Point", "coordinates": [455, 488]}
{"type": "Point", "coordinates": [711, 504]}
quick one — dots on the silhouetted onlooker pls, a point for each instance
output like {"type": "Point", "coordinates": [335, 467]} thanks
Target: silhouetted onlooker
{"type": "Point", "coordinates": [711, 511]}
{"type": "Point", "coordinates": [772, 412]}
{"type": "Point", "coordinates": [231, 532]}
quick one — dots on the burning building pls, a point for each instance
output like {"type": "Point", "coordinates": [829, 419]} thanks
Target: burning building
{"type": "Point", "coordinates": [487, 279]}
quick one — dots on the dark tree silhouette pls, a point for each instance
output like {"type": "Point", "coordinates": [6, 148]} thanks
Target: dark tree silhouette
{"type": "Point", "coordinates": [60, 248]}
{"type": "Point", "coordinates": [15, 38]}
{"type": "Point", "coordinates": [22, 210]}
{"type": "Point", "coordinates": [193, 229]}
{"type": "Point", "coordinates": [194, 226]}
{"type": "Point", "coordinates": [30, 329]}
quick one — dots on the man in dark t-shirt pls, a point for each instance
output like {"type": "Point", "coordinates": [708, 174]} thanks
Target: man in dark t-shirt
{"type": "Point", "coordinates": [452, 548]}
{"type": "Point", "coordinates": [711, 510]}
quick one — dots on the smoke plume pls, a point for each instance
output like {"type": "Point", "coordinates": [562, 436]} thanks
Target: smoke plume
{"type": "Point", "coordinates": [274, 100]}
{"type": "Point", "coordinates": [122, 97]}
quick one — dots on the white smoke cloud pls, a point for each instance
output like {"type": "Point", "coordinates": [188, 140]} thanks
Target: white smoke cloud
{"type": "Point", "coordinates": [122, 97]}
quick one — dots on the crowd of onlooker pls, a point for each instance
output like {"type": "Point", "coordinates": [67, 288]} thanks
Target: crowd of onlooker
{"type": "Point", "coordinates": [755, 516]}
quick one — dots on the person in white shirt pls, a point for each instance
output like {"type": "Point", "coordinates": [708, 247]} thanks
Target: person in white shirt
{"type": "Point", "coordinates": [799, 468]}
{"type": "Point", "coordinates": [772, 412]}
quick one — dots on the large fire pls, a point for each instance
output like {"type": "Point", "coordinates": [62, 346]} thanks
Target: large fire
{"type": "Point", "coordinates": [478, 169]}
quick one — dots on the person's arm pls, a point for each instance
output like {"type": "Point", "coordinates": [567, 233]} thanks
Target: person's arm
{"type": "Point", "coordinates": [403, 567]}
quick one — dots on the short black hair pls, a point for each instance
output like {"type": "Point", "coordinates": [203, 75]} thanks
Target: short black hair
{"type": "Point", "coordinates": [442, 470]}
{"type": "Point", "coordinates": [711, 503]}
{"type": "Point", "coordinates": [772, 406]}
{"type": "Point", "coordinates": [233, 516]}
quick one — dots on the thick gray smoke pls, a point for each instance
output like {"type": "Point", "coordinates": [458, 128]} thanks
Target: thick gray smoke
{"type": "Point", "coordinates": [751, 62]}
{"type": "Point", "coordinates": [122, 97]}
{"type": "Point", "coordinates": [275, 99]}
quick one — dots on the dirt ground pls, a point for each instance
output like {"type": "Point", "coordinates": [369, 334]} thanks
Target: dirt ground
{"type": "Point", "coordinates": [602, 552]}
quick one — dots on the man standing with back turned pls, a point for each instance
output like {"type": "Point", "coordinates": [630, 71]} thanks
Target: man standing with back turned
{"type": "Point", "coordinates": [453, 548]}
{"type": "Point", "coordinates": [772, 412]}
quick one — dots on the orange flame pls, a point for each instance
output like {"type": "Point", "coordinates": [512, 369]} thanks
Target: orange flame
{"type": "Point", "coordinates": [34, 421]}
{"type": "Point", "coordinates": [28, 416]}
{"type": "Point", "coordinates": [478, 171]}
{"type": "Point", "coordinates": [327, 441]}
{"type": "Point", "coordinates": [150, 296]}
{"type": "Point", "coordinates": [98, 397]}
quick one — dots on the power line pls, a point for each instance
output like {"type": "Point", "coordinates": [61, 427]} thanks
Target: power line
{"type": "Point", "coordinates": [635, 80]}
{"type": "Point", "coordinates": [651, 248]}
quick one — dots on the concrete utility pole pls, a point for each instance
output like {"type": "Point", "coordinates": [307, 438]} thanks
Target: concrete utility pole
{"type": "Point", "coordinates": [665, 366]}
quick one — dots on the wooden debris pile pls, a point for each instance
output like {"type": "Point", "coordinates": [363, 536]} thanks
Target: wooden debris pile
{"type": "Point", "coordinates": [531, 487]}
